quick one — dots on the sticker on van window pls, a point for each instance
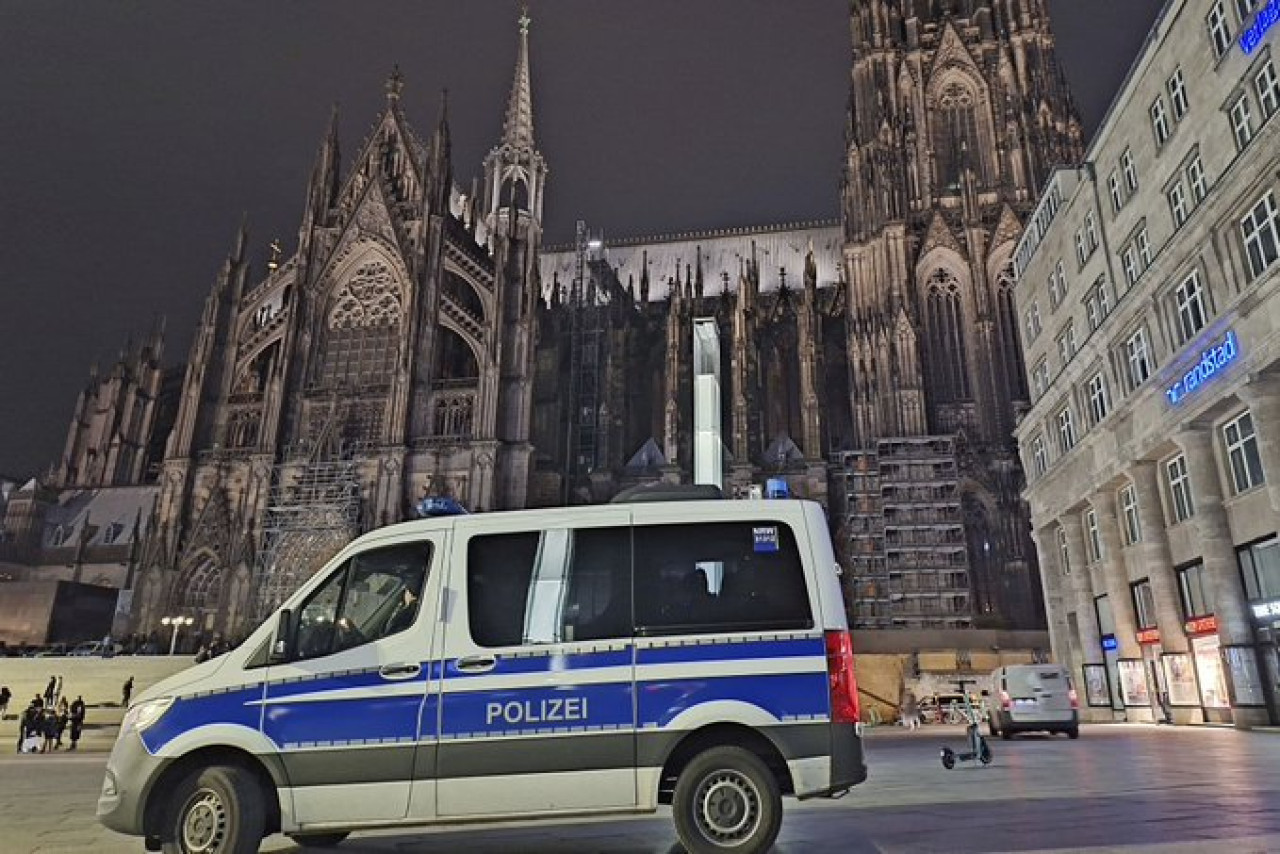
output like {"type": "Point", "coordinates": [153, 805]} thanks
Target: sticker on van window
{"type": "Point", "coordinates": [766, 539]}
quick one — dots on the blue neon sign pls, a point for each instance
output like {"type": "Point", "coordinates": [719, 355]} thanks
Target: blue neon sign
{"type": "Point", "coordinates": [1262, 23]}
{"type": "Point", "coordinates": [1109, 643]}
{"type": "Point", "coordinates": [1213, 360]}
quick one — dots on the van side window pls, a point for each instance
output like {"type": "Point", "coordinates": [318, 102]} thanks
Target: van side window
{"type": "Point", "coordinates": [719, 577]}
{"type": "Point", "coordinates": [375, 594]}
{"type": "Point", "coordinates": [553, 586]}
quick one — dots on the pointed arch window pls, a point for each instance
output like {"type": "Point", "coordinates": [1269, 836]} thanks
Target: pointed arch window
{"type": "Point", "coordinates": [1010, 351]}
{"type": "Point", "coordinates": [203, 589]}
{"type": "Point", "coordinates": [362, 330]}
{"type": "Point", "coordinates": [948, 375]}
{"type": "Point", "coordinates": [956, 141]}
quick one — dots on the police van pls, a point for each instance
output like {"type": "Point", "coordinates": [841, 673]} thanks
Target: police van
{"type": "Point", "coordinates": [529, 664]}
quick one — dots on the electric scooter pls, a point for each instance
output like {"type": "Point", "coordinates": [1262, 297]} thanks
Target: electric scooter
{"type": "Point", "coordinates": [978, 747]}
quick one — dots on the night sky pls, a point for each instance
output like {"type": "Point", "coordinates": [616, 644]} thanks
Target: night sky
{"type": "Point", "coordinates": [133, 136]}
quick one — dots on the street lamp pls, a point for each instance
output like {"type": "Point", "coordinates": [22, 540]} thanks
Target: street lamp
{"type": "Point", "coordinates": [177, 623]}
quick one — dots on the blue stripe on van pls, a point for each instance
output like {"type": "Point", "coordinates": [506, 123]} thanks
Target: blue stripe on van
{"type": "Point", "coordinates": [724, 651]}
{"type": "Point", "coordinates": [188, 713]}
{"type": "Point", "coordinates": [785, 696]}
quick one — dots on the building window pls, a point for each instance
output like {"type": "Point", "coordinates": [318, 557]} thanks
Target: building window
{"type": "Point", "coordinates": [1244, 8]}
{"type": "Point", "coordinates": [1129, 514]}
{"type": "Point", "coordinates": [1196, 180]}
{"type": "Point", "coordinates": [1064, 556]}
{"type": "Point", "coordinates": [1197, 591]}
{"type": "Point", "coordinates": [1099, 405]}
{"type": "Point", "coordinates": [1097, 304]}
{"type": "Point", "coordinates": [1113, 187]}
{"type": "Point", "coordinates": [1219, 32]}
{"type": "Point", "coordinates": [1082, 251]}
{"type": "Point", "coordinates": [1178, 95]}
{"type": "Point", "coordinates": [1144, 604]}
{"type": "Point", "coordinates": [1242, 121]}
{"type": "Point", "coordinates": [1138, 359]}
{"type": "Point", "coordinates": [1188, 298]}
{"type": "Point", "coordinates": [1242, 453]}
{"type": "Point", "coordinates": [1267, 85]}
{"type": "Point", "coordinates": [1159, 121]}
{"type": "Point", "coordinates": [1066, 429]}
{"type": "Point", "coordinates": [1093, 536]}
{"type": "Point", "coordinates": [1261, 233]}
{"type": "Point", "coordinates": [1033, 321]}
{"type": "Point", "coordinates": [1144, 248]}
{"type": "Point", "coordinates": [1130, 264]}
{"type": "Point", "coordinates": [1260, 566]}
{"type": "Point", "coordinates": [1091, 231]}
{"type": "Point", "coordinates": [1058, 284]}
{"type": "Point", "coordinates": [1040, 377]}
{"type": "Point", "coordinates": [1130, 171]}
{"type": "Point", "coordinates": [1067, 343]}
{"type": "Point", "coordinates": [1178, 204]}
{"type": "Point", "coordinates": [1039, 456]}
{"type": "Point", "coordinates": [1180, 488]}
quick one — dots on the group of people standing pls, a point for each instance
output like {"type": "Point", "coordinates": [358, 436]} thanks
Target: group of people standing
{"type": "Point", "coordinates": [48, 717]}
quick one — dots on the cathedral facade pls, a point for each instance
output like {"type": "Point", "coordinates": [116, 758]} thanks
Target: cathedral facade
{"type": "Point", "coordinates": [420, 341]}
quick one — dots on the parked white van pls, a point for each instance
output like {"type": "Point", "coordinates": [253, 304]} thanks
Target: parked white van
{"type": "Point", "coordinates": [1032, 698]}
{"type": "Point", "coordinates": [530, 664]}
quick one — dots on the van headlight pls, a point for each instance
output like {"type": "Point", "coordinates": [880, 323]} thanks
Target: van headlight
{"type": "Point", "coordinates": [145, 714]}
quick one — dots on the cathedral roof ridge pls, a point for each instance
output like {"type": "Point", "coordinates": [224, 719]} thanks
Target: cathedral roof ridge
{"type": "Point", "coordinates": [709, 233]}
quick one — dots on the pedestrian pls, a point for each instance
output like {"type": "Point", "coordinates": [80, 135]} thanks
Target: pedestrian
{"type": "Point", "coordinates": [910, 711]}
{"type": "Point", "coordinates": [77, 721]}
{"type": "Point", "coordinates": [58, 691]}
{"type": "Point", "coordinates": [49, 729]}
{"type": "Point", "coordinates": [5, 695]}
{"type": "Point", "coordinates": [64, 717]}
{"type": "Point", "coordinates": [39, 701]}
{"type": "Point", "coordinates": [28, 728]}
{"type": "Point", "coordinates": [126, 692]}
{"type": "Point", "coordinates": [50, 690]}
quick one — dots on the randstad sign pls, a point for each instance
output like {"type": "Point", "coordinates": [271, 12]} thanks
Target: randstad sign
{"type": "Point", "coordinates": [1212, 361]}
{"type": "Point", "coordinates": [1266, 18]}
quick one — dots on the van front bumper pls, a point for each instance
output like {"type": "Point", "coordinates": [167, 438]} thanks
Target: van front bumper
{"type": "Point", "coordinates": [131, 773]}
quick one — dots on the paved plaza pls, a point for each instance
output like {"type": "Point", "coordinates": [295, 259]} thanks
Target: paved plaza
{"type": "Point", "coordinates": [1129, 788]}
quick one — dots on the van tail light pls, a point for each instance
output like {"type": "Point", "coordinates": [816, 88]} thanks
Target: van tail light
{"type": "Point", "coordinates": [1006, 702]}
{"type": "Point", "coordinates": [1071, 695]}
{"type": "Point", "coordinates": [840, 676]}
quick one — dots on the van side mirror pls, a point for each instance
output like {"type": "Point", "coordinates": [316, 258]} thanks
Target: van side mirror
{"type": "Point", "coordinates": [281, 647]}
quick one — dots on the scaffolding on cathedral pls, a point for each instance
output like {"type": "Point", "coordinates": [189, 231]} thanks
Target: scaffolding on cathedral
{"type": "Point", "coordinates": [903, 535]}
{"type": "Point", "coordinates": [313, 510]}
{"type": "Point", "coordinates": [586, 357]}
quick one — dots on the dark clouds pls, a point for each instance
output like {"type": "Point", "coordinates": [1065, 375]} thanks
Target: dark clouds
{"type": "Point", "coordinates": [134, 135]}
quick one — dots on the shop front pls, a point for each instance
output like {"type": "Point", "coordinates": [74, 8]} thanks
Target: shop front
{"type": "Point", "coordinates": [1260, 570]}
{"type": "Point", "coordinates": [1157, 696]}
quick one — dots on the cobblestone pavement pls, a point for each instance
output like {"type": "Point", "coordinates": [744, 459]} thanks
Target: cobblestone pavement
{"type": "Point", "coordinates": [1124, 788]}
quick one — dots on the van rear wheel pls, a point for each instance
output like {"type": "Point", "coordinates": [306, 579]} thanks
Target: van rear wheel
{"type": "Point", "coordinates": [215, 810]}
{"type": "Point", "coordinates": [727, 801]}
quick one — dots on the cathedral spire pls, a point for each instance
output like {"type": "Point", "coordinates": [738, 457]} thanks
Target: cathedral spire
{"type": "Point", "coordinates": [517, 129]}
{"type": "Point", "coordinates": [394, 86]}
{"type": "Point", "coordinates": [440, 161]}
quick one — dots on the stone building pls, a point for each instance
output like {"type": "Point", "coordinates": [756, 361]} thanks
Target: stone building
{"type": "Point", "coordinates": [419, 341]}
{"type": "Point", "coordinates": [1150, 297]}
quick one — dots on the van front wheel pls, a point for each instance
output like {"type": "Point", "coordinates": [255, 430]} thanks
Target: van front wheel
{"type": "Point", "coordinates": [727, 801]}
{"type": "Point", "coordinates": [216, 810]}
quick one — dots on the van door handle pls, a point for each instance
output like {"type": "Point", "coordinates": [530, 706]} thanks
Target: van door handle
{"type": "Point", "coordinates": [399, 671]}
{"type": "Point", "coordinates": [477, 663]}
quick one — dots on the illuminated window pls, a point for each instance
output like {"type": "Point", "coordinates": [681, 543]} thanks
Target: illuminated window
{"type": "Point", "coordinates": [1180, 488]}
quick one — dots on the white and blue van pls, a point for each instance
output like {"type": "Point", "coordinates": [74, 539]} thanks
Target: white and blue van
{"type": "Point", "coordinates": [531, 664]}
